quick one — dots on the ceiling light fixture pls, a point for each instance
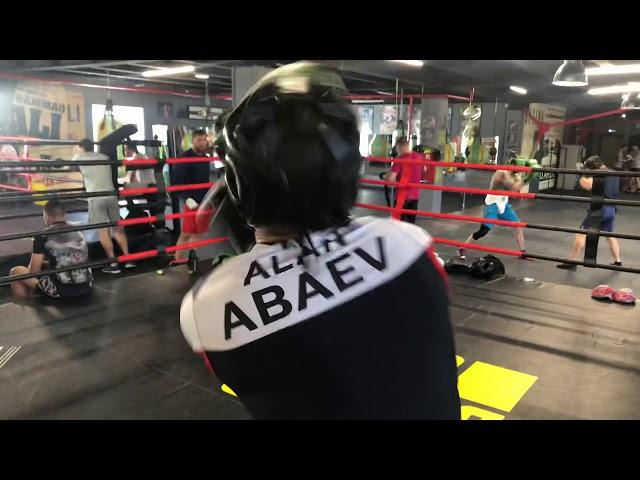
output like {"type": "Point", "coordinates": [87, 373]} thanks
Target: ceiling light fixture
{"type": "Point", "coordinates": [162, 72]}
{"type": "Point", "coordinates": [519, 90]}
{"type": "Point", "coordinates": [614, 89]}
{"type": "Point", "coordinates": [624, 115]}
{"type": "Point", "coordinates": [367, 101]}
{"type": "Point", "coordinates": [202, 76]}
{"type": "Point", "coordinates": [571, 74]}
{"type": "Point", "coordinates": [413, 63]}
{"type": "Point", "coordinates": [614, 69]}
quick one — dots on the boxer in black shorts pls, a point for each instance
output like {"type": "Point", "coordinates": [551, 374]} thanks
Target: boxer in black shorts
{"type": "Point", "coordinates": [611, 190]}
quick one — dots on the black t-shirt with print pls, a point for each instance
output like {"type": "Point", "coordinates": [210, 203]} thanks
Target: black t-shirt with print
{"type": "Point", "coordinates": [64, 250]}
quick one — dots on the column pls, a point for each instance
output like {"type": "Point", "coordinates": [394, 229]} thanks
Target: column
{"type": "Point", "coordinates": [243, 78]}
{"type": "Point", "coordinates": [433, 124]}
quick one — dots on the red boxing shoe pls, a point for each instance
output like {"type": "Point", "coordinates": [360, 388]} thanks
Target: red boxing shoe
{"type": "Point", "coordinates": [603, 292]}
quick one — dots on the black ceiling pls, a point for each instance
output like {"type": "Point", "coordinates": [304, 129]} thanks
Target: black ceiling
{"type": "Point", "coordinates": [489, 78]}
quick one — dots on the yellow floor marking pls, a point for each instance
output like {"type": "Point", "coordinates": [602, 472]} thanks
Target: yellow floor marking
{"type": "Point", "coordinates": [494, 386]}
{"type": "Point", "coordinates": [459, 361]}
{"type": "Point", "coordinates": [226, 389]}
{"type": "Point", "coordinates": [468, 411]}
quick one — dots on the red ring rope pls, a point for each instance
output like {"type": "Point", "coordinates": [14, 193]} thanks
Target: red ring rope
{"type": "Point", "coordinates": [474, 246]}
{"type": "Point", "coordinates": [476, 166]}
{"type": "Point", "coordinates": [443, 188]}
{"type": "Point", "coordinates": [154, 253]}
{"type": "Point", "coordinates": [448, 216]}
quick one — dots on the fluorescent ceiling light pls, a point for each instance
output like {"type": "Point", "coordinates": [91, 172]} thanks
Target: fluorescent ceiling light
{"type": "Point", "coordinates": [614, 89]}
{"type": "Point", "coordinates": [614, 69]}
{"type": "Point", "coordinates": [571, 74]}
{"type": "Point", "coordinates": [162, 72]}
{"type": "Point", "coordinates": [367, 101]}
{"type": "Point", "coordinates": [519, 90]}
{"type": "Point", "coordinates": [413, 63]}
{"type": "Point", "coordinates": [612, 130]}
{"type": "Point", "coordinates": [202, 76]}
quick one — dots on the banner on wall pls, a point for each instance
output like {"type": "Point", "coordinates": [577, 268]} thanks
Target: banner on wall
{"type": "Point", "coordinates": [389, 120]}
{"type": "Point", "coordinates": [47, 111]}
{"type": "Point", "coordinates": [542, 113]}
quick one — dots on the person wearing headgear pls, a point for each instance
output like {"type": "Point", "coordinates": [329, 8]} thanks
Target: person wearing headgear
{"type": "Point", "coordinates": [327, 316]}
{"type": "Point", "coordinates": [499, 207]}
{"type": "Point", "coordinates": [611, 189]}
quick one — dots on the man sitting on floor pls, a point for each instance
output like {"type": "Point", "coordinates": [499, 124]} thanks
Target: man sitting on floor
{"type": "Point", "coordinates": [53, 250]}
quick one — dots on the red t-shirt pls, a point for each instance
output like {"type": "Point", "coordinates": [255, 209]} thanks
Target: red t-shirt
{"type": "Point", "coordinates": [413, 170]}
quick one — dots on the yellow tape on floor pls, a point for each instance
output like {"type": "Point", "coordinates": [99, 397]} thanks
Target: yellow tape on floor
{"type": "Point", "coordinates": [494, 386]}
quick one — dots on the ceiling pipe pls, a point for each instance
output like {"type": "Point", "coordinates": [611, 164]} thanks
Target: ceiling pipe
{"type": "Point", "coordinates": [157, 91]}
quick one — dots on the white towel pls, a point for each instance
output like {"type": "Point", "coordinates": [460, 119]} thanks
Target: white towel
{"type": "Point", "coordinates": [500, 200]}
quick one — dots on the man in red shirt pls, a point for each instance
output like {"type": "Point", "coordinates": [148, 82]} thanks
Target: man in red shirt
{"type": "Point", "coordinates": [410, 172]}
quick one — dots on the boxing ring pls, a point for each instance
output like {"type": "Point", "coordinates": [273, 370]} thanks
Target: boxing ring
{"type": "Point", "coordinates": [526, 349]}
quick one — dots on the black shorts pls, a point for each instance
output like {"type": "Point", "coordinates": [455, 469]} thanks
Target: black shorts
{"type": "Point", "coordinates": [52, 289]}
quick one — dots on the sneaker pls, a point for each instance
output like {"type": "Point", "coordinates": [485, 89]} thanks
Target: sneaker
{"type": "Point", "coordinates": [175, 262]}
{"type": "Point", "coordinates": [112, 268]}
{"type": "Point", "coordinates": [461, 254]}
{"type": "Point", "coordinates": [522, 252]}
{"type": "Point", "coordinates": [567, 266]}
{"type": "Point", "coordinates": [130, 265]}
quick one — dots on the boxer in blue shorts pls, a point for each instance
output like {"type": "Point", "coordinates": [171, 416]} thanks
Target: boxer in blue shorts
{"type": "Point", "coordinates": [498, 207]}
{"type": "Point", "coordinates": [611, 190]}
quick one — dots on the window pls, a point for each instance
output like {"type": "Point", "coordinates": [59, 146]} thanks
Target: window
{"type": "Point", "coordinates": [122, 114]}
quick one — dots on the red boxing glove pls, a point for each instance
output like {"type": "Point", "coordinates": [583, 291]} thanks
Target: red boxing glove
{"type": "Point", "coordinates": [624, 296]}
{"type": "Point", "coordinates": [603, 292]}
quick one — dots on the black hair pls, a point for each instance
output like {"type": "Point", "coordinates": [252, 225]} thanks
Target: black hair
{"type": "Point", "coordinates": [54, 208]}
{"type": "Point", "coordinates": [86, 145]}
{"type": "Point", "coordinates": [198, 132]}
{"type": "Point", "coordinates": [131, 146]}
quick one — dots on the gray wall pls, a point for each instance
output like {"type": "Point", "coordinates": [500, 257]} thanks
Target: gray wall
{"type": "Point", "coordinates": [515, 144]}
{"type": "Point", "coordinates": [493, 123]}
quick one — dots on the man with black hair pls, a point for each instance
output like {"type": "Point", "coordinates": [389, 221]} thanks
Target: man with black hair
{"type": "Point", "coordinates": [191, 173]}
{"type": "Point", "coordinates": [53, 250]}
{"type": "Point", "coordinates": [611, 189]}
{"type": "Point", "coordinates": [326, 317]}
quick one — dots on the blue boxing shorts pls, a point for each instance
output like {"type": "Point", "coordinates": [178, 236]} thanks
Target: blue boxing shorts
{"type": "Point", "coordinates": [608, 216]}
{"type": "Point", "coordinates": [492, 212]}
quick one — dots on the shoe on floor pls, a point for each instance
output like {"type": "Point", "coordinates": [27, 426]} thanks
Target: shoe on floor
{"type": "Point", "coordinates": [567, 266]}
{"type": "Point", "coordinates": [112, 268]}
{"type": "Point", "coordinates": [129, 265]}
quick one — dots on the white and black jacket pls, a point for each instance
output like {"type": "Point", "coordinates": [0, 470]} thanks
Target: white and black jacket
{"type": "Point", "coordinates": [356, 327]}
